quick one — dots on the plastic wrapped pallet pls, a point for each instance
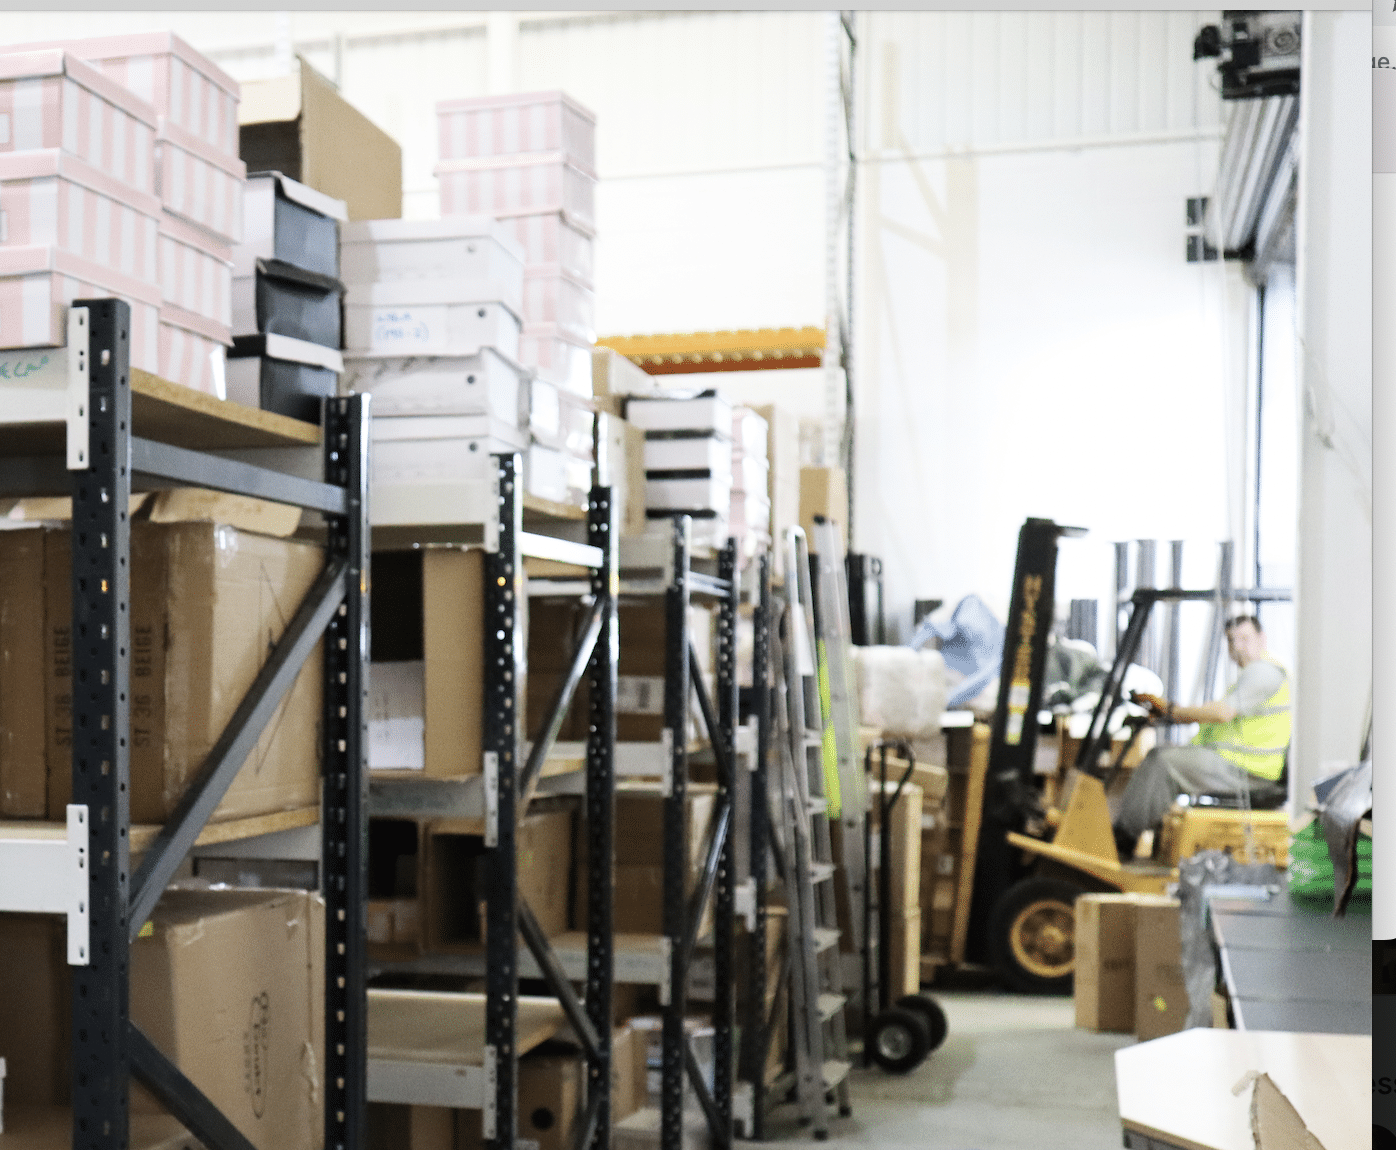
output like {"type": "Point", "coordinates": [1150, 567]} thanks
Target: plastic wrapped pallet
{"type": "Point", "coordinates": [900, 691]}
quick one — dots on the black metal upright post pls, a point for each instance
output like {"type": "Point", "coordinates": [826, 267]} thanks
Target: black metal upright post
{"type": "Point", "coordinates": [600, 814]}
{"type": "Point", "coordinates": [344, 815]}
{"type": "Point", "coordinates": [100, 662]}
{"type": "Point", "coordinates": [724, 998]}
{"type": "Point", "coordinates": [677, 687]}
{"type": "Point", "coordinates": [754, 1037]}
{"type": "Point", "coordinates": [503, 675]}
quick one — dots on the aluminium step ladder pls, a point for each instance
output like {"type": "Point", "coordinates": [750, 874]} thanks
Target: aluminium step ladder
{"type": "Point", "coordinates": [808, 796]}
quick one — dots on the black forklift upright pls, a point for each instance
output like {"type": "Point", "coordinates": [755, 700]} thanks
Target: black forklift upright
{"type": "Point", "coordinates": [1013, 742]}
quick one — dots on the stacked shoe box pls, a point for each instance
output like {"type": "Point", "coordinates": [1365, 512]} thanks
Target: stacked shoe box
{"type": "Point", "coordinates": [287, 299]}
{"type": "Point", "coordinates": [688, 462]}
{"type": "Point", "coordinates": [432, 331]}
{"type": "Point", "coordinates": [120, 176]}
{"type": "Point", "coordinates": [751, 478]}
{"type": "Point", "coordinates": [529, 161]}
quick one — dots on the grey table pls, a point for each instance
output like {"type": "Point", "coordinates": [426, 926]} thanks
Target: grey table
{"type": "Point", "coordinates": [1289, 965]}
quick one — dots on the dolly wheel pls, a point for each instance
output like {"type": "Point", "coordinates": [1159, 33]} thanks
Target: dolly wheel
{"type": "Point", "coordinates": [1032, 935]}
{"type": "Point", "coordinates": [931, 1013]}
{"type": "Point", "coordinates": [900, 1041]}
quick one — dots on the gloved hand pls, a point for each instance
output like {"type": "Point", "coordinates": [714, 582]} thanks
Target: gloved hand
{"type": "Point", "coordinates": [1157, 707]}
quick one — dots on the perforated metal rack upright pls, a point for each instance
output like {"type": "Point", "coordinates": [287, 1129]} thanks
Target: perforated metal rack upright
{"type": "Point", "coordinates": [105, 460]}
{"type": "Point", "coordinates": [499, 796]}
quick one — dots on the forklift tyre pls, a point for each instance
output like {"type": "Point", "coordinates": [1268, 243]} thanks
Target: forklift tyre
{"type": "Point", "coordinates": [899, 1040]}
{"type": "Point", "coordinates": [934, 1017]}
{"type": "Point", "coordinates": [1032, 935]}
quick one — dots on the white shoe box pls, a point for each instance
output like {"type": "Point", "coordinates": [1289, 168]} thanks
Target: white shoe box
{"type": "Point", "coordinates": [473, 249]}
{"type": "Point", "coordinates": [712, 494]}
{"type": "Point", "coordinates": [427, 317]}
{"type": "Point", "coordinates": [482, 384]}
{"type": "Point", "coordinates": [439, 448]}
{"type": "Point", "coordinates": [552, 296]}
{"type": "Point", "coordinates": [708, 453]}
{"type": "Point", "coordinates": [556, 475]}
{"type": "Point", "coordinates": [708, 413]}
{"type": "Point", "coordinates": [561, 420]}
{"type": "Point", "coordinates": [557, 358]}
{"type": "Point", "coordinates": [552, 238]}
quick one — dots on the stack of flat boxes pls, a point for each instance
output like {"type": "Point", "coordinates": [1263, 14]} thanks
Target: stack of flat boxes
{"type": "Point", "coordinates": [119, 176]}
{"type": "Point", "coordinates": [688, 462]}
{"type": "Point", "coordinates": [287, 295]}
{"type": "Point", "coordinates": [751, 479]}
{"type": "Point", "coordinates": [432, 326]}
{"type": "Point", "coordinates": [529, 161]}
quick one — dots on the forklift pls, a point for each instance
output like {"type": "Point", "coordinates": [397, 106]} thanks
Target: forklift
{"type": "Point", "coordinates": [1034, 860]}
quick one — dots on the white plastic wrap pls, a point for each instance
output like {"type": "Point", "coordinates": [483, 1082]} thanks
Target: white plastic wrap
{"type": "Point", "coordinates": [901, 691]}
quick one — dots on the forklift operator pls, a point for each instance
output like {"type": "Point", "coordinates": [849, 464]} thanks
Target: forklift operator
{"type": "Point", "coordinates": [1239, 748]}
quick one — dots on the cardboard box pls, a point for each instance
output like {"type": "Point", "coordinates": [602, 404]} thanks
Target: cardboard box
{"type": "Point", "coordinates": [824, 491]}
{"type": "Point", "coordinates": [905, 954]}
{"type": "Point", "coordinates": [453, 612]}
{"type": "Point", "coordinates": [550, 1087]}
{"type": "Point", "coordinates": [1105, 945]}
{"type": "Point", "coordinates": [1160, 997]}
{"type": "Point", "coordinates": [483, 384]}
{"type": "Point", "coordinates": [620, 462]}
{"type": "Point", "coordinates": [552, 295]}
{"type": "Point", "coordinates": [613, 377]}
{"type": "Point", "coordinates": [23, 768]}
{"type": "Point", "coordinates": [454, 879]}
{"type": "Point", "coordinates": [640, 689]}
{"type": "Point", "coordinates": [628, 1072]}
{"type": "Point", "coordinates": [35, 1010]}
{"type": "Point", "coordinates": [517, 123]}
{"type": "Point", "coordinates": [208, 602]}
{"type": "Point", "coordinates": [230, 986]}
{"type": "Point", "coordinates": [553, 356]}
{"type": "Point", "coordinates": [553, 238]}
{"type": "Point", "coordinates": [395, 1127]}
{"type": "Point", "coordinates": [520, 185]}
{"type": "Point", "coordinates": [906, 845]}
{"type": "Point", "coordinates": [301, 126]}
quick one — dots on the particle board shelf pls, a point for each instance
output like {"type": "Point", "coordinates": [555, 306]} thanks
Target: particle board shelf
{"type": "Point", "coordinates": [541, 510]}
{"type": "Point", "coordinates": [427, 1048]}
{"type": "Point", "coordinates": [160, 410]}
{"type": "Point", "coordinates": [143, 834]}
{"type": "Point", "coordinates": [1322, 1075]}
{"type": "Point", "coordinates": [639, 960]}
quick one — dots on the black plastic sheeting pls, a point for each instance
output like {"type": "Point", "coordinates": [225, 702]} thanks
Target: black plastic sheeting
{"type": "Point", "coordinates": [1345, 799]}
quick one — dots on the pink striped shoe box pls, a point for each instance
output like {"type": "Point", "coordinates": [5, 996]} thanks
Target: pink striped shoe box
{"type": "Point", "coordinates": [196, 271]}
{"type": "Point", "coordinates": [199, 183]}
{"type": "Point", "coordinates": [52, 198]}
{"type": "Point", "coordinates": [551, 238]}
{"type": "Point", "coordinates": [510, 125]}
{"type": "Point", "coordinates": [506, 186]}
{"type": "Point", "coordinates": [193, 351]}
{"type": "Point", "coordinates": [38, 283]}
{"type": "Point", "coordinates": [179, 83]}
{"type": "Point", "coordinates": [52, 99]}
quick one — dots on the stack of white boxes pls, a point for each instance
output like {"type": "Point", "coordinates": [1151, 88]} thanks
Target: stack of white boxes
{"type": "Point", "coordinates": [751, 480]}
{"type": "Point", "coordinates": [529, 161]}
{"type": "Point", "coordinates": [286, 299]}
{"type": "Point", "coordinates": [432, 330]}
{"type": "Point", "coordinates": [119, 176]}
{"type": "Point", "coordinates": [688, 462]}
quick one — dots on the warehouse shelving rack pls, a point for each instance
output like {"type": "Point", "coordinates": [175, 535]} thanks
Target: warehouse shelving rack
{"type": "Point", "coordinates": [486, 1079]}
{"type": "Point", "coordinates": [78, 402]}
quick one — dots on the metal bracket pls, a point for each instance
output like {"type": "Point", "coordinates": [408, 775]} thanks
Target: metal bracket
{"type": "Point", "coordinates": [41, 873]}
{"type": "Point", "coordinates": [78, 389]}
{"type": "Point", "coordinates": [666, 779]}
{"type": "Point", "coordinates": [744, 902]}
{"type": "Point", "coordinates": [487, 1112]}
{"type": "Point", "coordinates": [491, 524]}
{"type": "Point", "coordinates": [666, 983]}
{"type": "Point", "coordinates": [491, 779]}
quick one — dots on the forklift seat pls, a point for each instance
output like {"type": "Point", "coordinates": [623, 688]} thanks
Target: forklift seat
{"type": "Point", "coordinates": [1264, 795]}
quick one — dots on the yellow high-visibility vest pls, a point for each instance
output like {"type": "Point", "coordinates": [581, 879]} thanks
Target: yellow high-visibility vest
{"type": "Point", "coordinates": [1255, 743]}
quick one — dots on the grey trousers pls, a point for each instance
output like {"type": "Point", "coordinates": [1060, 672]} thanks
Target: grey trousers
{"type": "Point", "coordinates": [1168, 772]}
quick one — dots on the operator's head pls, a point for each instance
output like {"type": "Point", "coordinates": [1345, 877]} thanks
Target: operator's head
{"type": "Point", "coordinates": [1245, 639]}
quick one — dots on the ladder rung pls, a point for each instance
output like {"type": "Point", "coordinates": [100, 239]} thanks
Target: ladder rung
{"type": "Point", "coordinates": [821, 871]}
{"type": "Point", "coordinates": [830, 1005]}
{"type": "Point", "coordinates": [834, 1072]}
{"type": "Point", "coordinates": [819, 806]}
{"type": "Point", "coordinates": [814, 739]}
{"type": "Point", "coordinates": [825, 938]}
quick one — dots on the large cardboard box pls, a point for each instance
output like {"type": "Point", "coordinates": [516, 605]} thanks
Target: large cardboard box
{"type": "Point", "coordinates": [905, 966]}
{"type": "Point", "coordinates": [23, 767]}
{"type": "Point", "coordinates": [396, 1127]}
{"type": "Point", "coordinates": [230, 986]}
{"type": "Point", "coordinates": [824, 491]}
{"type": "Point", "coordinates": [905, 831]}
{"type": "Point", "coordinates": [550, 1087]}
{"type": "Point", "coordinates": [1105, 944]}
{"type": "Point", "coordinates": [208, 603]}
{"type": "Point", "coordinates": [35, 1010]}
{"type": "Point", "coordinates": [455, 878]}
{"type": "Point", "coordinates": [613, 377]}
{"type": "Point", "coordinates": [300, 126]}
{"type": "Point", "coordinates": [620, 461]}
{"type": "Point", "coordinates": [629, 1058]}
{"type": "Point", "coordinates": [1160, 997]}
{"type": "Point", "coordinates": [640, 679]}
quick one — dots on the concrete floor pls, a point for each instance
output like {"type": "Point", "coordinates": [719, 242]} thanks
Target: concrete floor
{"type": "Point", "coordinates": [1014, 1074]}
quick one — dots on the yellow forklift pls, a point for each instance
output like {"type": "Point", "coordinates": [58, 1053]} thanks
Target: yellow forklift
{"type": "Point", "coordinates": [1034, 859]}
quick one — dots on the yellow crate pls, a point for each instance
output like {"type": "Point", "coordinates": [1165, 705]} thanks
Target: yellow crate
{"type": "Point", "coordinates": [1187, 830]}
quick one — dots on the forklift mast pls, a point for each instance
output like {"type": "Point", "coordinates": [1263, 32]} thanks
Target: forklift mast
{"type": "Point", "coordinates": [1009, 789]}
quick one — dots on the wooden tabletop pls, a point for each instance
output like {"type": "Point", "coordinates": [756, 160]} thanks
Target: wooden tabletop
{"type": "Point", "coordinates": [1178, 1089]}
{"type": "Point", "coordinates": [448, 1028]}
